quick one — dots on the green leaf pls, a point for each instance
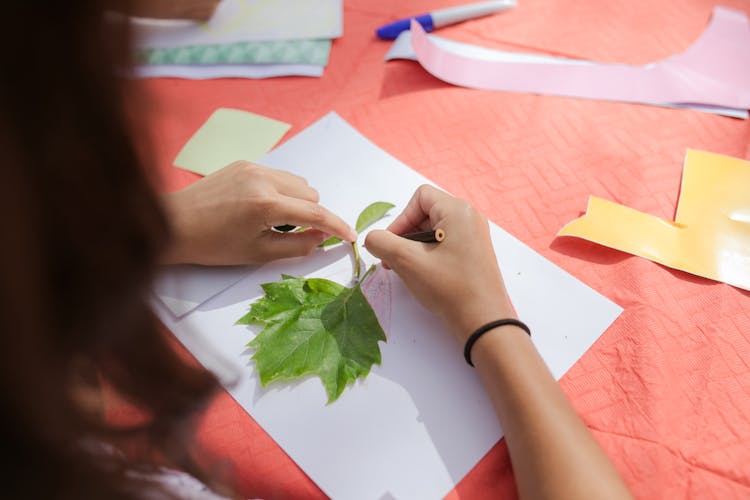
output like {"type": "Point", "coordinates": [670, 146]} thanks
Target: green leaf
{"type": "Point", "coordinates": [333, 240]}
{"type": "Point", "coordinates": [354, 326]}
{"type": "Point", "coordinates": [369, 216]}
{"type": "Point", "coordinates": [314, 327]}
{"type": "Point", "coordinates": [372, 214]}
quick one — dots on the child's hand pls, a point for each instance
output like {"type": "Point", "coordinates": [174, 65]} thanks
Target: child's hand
{"type": "Point", "coordinates": [458, 278]}
{"type": "Point", "coordinates": [228, 218]}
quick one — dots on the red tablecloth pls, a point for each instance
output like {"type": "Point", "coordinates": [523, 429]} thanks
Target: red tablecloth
{"type": "Point", "coordinates": [666, 390]}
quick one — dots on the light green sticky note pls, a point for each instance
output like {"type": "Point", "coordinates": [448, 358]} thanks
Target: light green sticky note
{"type": "Point", "coordinates": [227, 136]}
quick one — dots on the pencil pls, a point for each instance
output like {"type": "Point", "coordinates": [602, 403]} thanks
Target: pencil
{"type": "Point", "coordinates": [434, 236]}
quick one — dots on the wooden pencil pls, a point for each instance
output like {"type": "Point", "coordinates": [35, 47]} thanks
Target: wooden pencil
{"type": "Point", "coordinates": [434, 236]}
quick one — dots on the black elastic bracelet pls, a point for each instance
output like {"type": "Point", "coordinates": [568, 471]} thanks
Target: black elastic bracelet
{"type": "Point", "coordinates": [486, 328]}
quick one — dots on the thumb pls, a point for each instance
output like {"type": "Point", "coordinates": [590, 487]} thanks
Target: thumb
{"type": "Point", "coordinates": [393, 250]}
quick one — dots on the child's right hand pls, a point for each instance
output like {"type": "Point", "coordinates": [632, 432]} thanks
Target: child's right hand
{"type": "Point", "coordinates": [458, 278]}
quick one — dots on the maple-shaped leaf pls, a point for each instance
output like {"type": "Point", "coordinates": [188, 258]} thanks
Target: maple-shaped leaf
{"type": "Point", "coordinates": [317, 327]}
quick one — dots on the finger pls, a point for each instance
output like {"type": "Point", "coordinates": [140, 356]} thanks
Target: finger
{"type": "Point", "coordinates": [200, 11]}
{"type": "Point", "coordinates": [293, 185]}
{"type": "Point", "coordinates": [282, 246]}
{"type": "Point", "coordinates": [411, 217]}
{"type": "Point", "coordinates": [416, 215]}
{"type": "Point", "coordinates": [297, 212]}
{"type": "Point", "coordinates": [285, 183]}
{"type": "Point", "coordinates": [408, 223]}
{"type": "Point", "coordinates": [195, 14]}
{"type": "Point", "coordinates": [212, 7]}
{"type": "Point", "coordinates": [426, 225]}
{"type": "Point", "coordinates": [395, 251]}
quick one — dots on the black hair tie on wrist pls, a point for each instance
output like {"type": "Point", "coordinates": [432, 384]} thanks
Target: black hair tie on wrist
{"type": "Point", "coordinates": [486, 328]}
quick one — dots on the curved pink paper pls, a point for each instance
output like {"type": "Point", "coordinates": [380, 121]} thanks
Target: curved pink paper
{"type": "Point", "coordinates": [715, 70]}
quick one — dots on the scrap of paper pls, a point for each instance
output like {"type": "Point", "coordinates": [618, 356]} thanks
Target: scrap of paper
{"type": "Point", "coordinates": [313, 52]}
{"type": "Point", "coordinates": [710, 235]}
{"type": "Point", "coordinates": [713, 71]}
{"type": "Point", "coordinates": [421, 420]}
{"type": "Point", "coordinates": [206, 72]}
{"type": "Point", "coordinates": [402, 49]}
{"type": "Point", "coordinates": [227, 136]}
{"type": "Point", "coordinates": [246, 20]}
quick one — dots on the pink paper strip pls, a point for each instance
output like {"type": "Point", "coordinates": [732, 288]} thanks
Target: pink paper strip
{"type": "Point", "coordinates": [715, 70]}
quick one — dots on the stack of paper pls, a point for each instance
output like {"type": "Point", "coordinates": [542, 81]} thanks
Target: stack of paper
{"type": "Point", "coordinates": [243, 39]}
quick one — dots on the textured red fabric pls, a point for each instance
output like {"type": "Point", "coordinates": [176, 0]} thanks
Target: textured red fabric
{"type": "Point", "coordinates": [666, 390]}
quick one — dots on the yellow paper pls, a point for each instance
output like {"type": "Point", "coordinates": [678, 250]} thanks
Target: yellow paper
{"type": "Point", "coordinates": [710, 236]}
{"type": "Point", "coordinates": [227, 136]}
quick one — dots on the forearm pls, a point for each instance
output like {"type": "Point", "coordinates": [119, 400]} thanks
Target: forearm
{"type": "Point", "coordinates": [553, 453]}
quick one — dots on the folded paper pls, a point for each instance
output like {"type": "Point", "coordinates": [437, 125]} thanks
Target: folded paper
{"type": "Point", "coordinates": [714, 71]}
{"type": "Point", "coordinates": [227, 136]}
{"type": "Point", "coordinates": [710, 235]}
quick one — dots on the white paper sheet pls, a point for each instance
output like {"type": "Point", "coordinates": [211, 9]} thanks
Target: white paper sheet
{"type": "Point", "coordinates": [402, 49]}
{"type": "Point", "coordinates": [205, 72]}
{"type": "Point", "coordinates": [421, 420]}
{"type": "Point", "coordinates": [244, 21]}
{"type": "Point", "coordinates": [183, 288]}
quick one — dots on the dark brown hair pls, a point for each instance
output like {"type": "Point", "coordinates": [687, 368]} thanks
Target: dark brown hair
{"type": "Point", "coordinates": [81, 233]}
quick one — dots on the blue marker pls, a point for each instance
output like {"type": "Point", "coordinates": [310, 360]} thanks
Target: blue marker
{"type": "Point", "coordinates": [444, 17]}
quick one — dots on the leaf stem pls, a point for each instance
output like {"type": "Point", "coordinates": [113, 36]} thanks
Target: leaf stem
{"type": "Point", "coordinates": [357, 263]}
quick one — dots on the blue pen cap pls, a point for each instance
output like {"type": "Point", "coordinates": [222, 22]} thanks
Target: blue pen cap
{"type": "Point", "coordinates": [393, 30]}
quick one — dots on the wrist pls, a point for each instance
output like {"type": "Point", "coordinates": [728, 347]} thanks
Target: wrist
{"type": "Point", "coordinates": [178, 243]}
{"type": "Point", "coordinates": [500, 345]}
{"type": "Point", "coordinates": [480, 313]}
{"type": "Point", "coordinates": [489, 328]}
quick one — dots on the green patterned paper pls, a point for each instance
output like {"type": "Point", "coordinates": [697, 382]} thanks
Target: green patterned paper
{"type": "Point", "coordinates": [314, 52]}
